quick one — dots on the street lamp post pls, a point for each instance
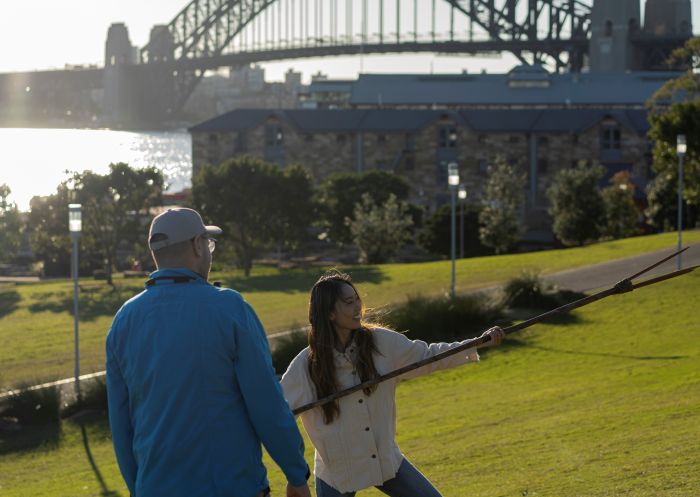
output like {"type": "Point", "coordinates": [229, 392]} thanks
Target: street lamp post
{"type": "Point", "coordinates": [462, 194]}
{"type": "Point", "coordinates": [75, 226]}
{"type": "Point", "coordinates": [681, 148]}
{"type": "Point", "coordinates": [453, 183]}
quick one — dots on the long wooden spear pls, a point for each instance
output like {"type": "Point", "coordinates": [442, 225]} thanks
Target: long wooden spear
{"type": "Point", "coordinates": [622, 286]}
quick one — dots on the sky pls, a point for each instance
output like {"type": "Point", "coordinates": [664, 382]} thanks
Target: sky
{"type": "Point", "coordinates": [47, 34]}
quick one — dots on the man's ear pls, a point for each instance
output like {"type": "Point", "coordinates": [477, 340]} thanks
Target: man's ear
{"type": "Point", "coordinates": [197, 246]}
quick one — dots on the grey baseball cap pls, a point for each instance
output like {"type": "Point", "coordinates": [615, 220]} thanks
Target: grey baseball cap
{"type": "Point", "coordinates": [177, 225]}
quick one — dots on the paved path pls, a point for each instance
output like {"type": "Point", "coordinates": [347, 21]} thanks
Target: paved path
{"type": "Point", "coordinates": [581, 280]}
{"type": "Point", "coordinates": [607, 274]}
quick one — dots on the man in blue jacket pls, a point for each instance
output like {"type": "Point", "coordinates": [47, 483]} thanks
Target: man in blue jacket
{"type": "Point", "coordinates": [192, 392]}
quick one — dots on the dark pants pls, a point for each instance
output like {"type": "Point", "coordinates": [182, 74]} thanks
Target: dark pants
{"type": "Point", "coordinates": [408, 482]}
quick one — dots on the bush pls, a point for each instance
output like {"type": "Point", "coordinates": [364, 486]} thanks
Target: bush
{"type": "Point", "coordinates": [443, 318]}
{"type": "Point", "coordinates": [576, 204]}
{"type": "Point", "coordinates": [31, 407]}
{"type": "Point", "coordinates": [93, 398]}
{"type": "Point", "coordinates": [286, 348]}
{"type": "Point", "coordinates": [529, 291]}
{"type": "Point", "coordinates": [379, 230]}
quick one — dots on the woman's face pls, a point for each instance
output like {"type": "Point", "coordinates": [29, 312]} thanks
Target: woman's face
{"type": "Point", "coordinates": [347, 312]}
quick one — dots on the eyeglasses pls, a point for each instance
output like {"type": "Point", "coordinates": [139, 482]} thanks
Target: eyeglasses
{"type": "Point", "coordinates": [212, 243]}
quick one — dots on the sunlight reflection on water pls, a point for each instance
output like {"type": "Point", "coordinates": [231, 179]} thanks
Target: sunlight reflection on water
{"type": "Point", "coordinates": [35, 161]}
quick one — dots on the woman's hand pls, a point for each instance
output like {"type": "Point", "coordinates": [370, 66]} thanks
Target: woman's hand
{"type": "Point", "coordinates": [496, 334]}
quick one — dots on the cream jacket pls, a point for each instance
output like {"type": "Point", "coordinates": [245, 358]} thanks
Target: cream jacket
{"type": "Point", "coordinates": [358, 449]}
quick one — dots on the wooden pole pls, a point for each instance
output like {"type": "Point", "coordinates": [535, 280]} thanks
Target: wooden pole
{"type": "Point", "coordinates": [622, 286]}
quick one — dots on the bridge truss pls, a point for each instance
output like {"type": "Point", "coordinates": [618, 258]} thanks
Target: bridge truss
{"type": "Point", "coordinates": [213, 33]}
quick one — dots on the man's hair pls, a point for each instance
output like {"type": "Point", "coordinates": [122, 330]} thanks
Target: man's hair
{"type": "Point", "coordinates": [172, 255]}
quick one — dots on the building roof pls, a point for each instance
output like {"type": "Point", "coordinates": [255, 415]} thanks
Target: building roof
{"type": "Point", "coordinates": [392, 120]}
{"type": "Point", "coordinates": [526, 86]}
{"type": "Point", "coordinates": [239, 119]}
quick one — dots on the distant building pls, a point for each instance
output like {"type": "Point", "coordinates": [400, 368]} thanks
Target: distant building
{"type": "Point", "coordinates": [244, 88]}
{"type": "Point", "coordinates": [524, 87]}
{"type": "Point", "coordinates": [414, 125]}
{"type": "Point", "coordinates": [418, 145]}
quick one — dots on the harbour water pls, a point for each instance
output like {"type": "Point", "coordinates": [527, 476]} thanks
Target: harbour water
{"type": "Point", "coordinates": [34, 161]}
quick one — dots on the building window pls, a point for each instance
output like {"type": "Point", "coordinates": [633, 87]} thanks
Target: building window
{"type": "Point", "coordinates": [409, 162]}
{"type": "Point", "coordinates": [607, 32]}
{"type": "Point", "coordinates": [442, 172]}
{"type": "Point", "coordinates": [542, 141]}
{"type": "Point", "coordinates": [610, 139]}
{"type": "Point", "coordinates": [513, 139]}
{"type": "Point", "coordinates": [447, 137]}
{"type": "Point", "coordinates": [308, 137]}
{"type": "Point", "coordinates": [542, 166]}
{"type": "Point", "coordinates": [274, 135]}
{"type": "Point", "coordinates": [213, 138]}
{"type": "Point", "coordinates": [340, 138]}
{"type": "Point", "coordinates": [381, 138]}
{"type": "Point", "coordinates": [483, 166]}
{"type": "Point", "coordinates": [574, 139]}
{"type": "Point", "coordinates": [481, 139]}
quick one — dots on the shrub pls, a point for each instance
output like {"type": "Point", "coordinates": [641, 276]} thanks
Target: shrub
{"type": "Point", "coordinates": [93, 398]}
{"type": "Point", "coordinates": [500, 220]}
{"type": "Point", "coordinates": [529, 291]}
{"type": "Point", "coordinates": [443, 318]}
{"type": "Point", "coordinates": [286, 348]}
{"type": "Point", "coordinates": [576, 204]}
{"type": "Point", "coordinates": [38, 406]}
{"type": "Point", "coordinates": [379, 230]}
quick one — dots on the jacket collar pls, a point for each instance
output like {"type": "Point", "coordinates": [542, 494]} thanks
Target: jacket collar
{"type": "Point", "coordinates": [161, 276]}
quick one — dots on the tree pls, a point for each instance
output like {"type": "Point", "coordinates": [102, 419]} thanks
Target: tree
{"type": "Point", "coordinates": [621, 211]}
{"type": "Point", "coordinates": [10, 226]}
{"type": "Point", "coordinates": [674, 110]}
{"type": "Point", "coordinates": [256, 203]}
{"type": "Point", "coordinates": [436, 236]}
{"type": "Point", "coordinates": [48, 232]}
{"type": "Point", "coordinates": [340, 193]}
{"type": "Point", "coordinates": [116, 208]}
{"type": "Point", "coordinates": [379, 229]}
{"type": "Point", "coordinates": [296, 207]}
{"type": "Point", "coordinates": [662, 200]}
{"type": "Point", "coordinates": [576, 204]}
{"type": "Point", "coordinates": [499, 219]}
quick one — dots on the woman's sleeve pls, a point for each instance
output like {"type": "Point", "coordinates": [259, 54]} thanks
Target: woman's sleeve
{"type": "Point", "coordinates": [296, 383]}
{"type": "Point", "coordinates": [405, 351]}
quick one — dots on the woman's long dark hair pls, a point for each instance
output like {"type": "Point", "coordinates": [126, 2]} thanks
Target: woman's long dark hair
{"type": "Point", "coordinates": [323, 340]}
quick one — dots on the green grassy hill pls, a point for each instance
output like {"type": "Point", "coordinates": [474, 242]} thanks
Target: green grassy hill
{"type": "Point", "coordinates": [36, 322]}
{"type": "Point", "coordinates": [607, 403]}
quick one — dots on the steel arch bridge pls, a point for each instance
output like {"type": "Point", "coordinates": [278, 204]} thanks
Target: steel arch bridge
{"type": "Point", "coordinates": [207, 34]}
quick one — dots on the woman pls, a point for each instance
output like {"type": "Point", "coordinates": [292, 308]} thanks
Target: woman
{"type": "Point", "coordinates": [355, 437]}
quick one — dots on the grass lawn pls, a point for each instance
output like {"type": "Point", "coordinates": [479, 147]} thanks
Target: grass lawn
{"type": "Point", "coordinates": [607, 403]}
{"type": "Point", "coordinates": [36, 323]}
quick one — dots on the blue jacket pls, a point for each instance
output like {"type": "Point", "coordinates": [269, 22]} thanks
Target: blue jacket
{"type": "Point", "coordinates": [192, 393]}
